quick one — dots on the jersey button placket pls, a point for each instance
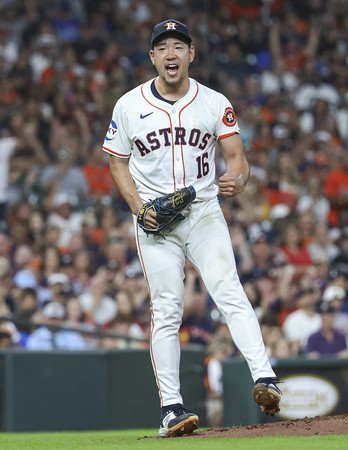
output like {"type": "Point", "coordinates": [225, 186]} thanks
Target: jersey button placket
{"type": "Point", "coordinates": [177, 149]}
{"type": "Point", "coordinates": [177, 154]}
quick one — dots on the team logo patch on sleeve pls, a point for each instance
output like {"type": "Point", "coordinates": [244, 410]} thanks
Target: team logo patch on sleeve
{"type": "Point", "coordinates": [230, 117]}
{"type": "Point", "coordinates": [111, 133]}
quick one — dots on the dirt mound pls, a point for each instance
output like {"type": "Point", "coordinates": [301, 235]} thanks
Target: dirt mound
{"type": "Point", "coordinates": [320, 426]}
{"type": "Point", "coordinates": [316, 426]}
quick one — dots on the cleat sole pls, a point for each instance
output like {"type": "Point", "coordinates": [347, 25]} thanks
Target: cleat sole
{"type": "Point", "coordinates": [266, 398]}
{"type": "Point", "coordinates": [185, 427]}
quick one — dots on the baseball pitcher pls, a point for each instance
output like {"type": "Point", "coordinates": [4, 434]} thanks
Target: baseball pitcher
{"type": "Point", "coordinates": [162, 139]}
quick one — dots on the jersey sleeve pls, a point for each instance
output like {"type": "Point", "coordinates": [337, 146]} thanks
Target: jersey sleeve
{"type": "Point", "coordinates": [116, 141]}
{"type": "Point", "coordinates": [227, 123]}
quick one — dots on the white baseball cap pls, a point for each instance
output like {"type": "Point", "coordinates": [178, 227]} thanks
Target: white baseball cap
{"type": "Point", "coordinates": [62, 198]}
{"type": "Point", "coordinates": [57, 278]}
{"type": "Point", "coordinates": [54, 310]}
{"type": "Point", "coordinates": [333, 292]}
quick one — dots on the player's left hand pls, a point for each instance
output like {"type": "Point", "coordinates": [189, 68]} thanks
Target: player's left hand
{"type": "Point", "coordinates": [230, 185]}
{"type": "Point", "coordinates": [165, 211]}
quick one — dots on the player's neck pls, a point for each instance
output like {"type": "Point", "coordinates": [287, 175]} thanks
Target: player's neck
{"type": "Point", "coordinates": [172, 92]}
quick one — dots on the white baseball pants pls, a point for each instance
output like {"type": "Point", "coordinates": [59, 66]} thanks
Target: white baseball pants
{"type": "Point", "coordinates": [203, 238]}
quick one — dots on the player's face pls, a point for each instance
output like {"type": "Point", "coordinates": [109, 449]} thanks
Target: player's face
{"type": "Point", "coordinates": [172, 58]}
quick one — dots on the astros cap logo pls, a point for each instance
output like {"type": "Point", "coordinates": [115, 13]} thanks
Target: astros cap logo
{"type": "Point", "coordinates": [171, 26]}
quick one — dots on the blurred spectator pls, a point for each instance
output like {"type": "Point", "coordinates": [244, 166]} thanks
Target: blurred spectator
{"type": "Point", "coordinates": [277, 346]}
{"type": "Point", "coordinates": [277, 292]}
{"type": "Point", "coordinates": [52, 234]}
{"type": "Point", "coordinates": [7, 145]}
{"type": "Point", "coordinates": [300, 324]}
{"type": "Point", "coordinates": [99, 308]}
{"type": "Point", "coordinates": [64, 177]}
{"type": "Point", "coordinates": [280, 349]}
{"type": "Point", "coordinates": [110, 228]}
{"type": "Point", "coordinates": [288, 176]}
{"type": "Point", "coordinates": [306, 224]}
{"type": "Point", "coordinates": [275, 194]}
{"type": "Point", "coordinates": [90, 238]}
{"type": "Point", "coordinates": [219, 349]}
{"type": "Point", "coordinates": [26, 311]}
{"type": "Point", "coordinates": [233, 63]}
{"type": "Point", "coordinates": [36, 230]}
{"type": "Point", "coordinates": [126, 311]}
{"type": "Point", "coordinates": [339, 265]}
{"type": "Point", "coordinates": [336, 190]}
{"type": "Point", "coordinates": [134, 283]}
{"type": "Point", "coordinates": [5, 244]}
{"type": "Point", "coordinates": [124, 324]}
{"type": "Point", "coordinates": [45, 338]}
{"type": "Point", "coordinates": [74, 314]}
{"type": "Point", "coordinates": [27, 304]}
{"type": "Point", "coordinates": [65, 219]}
{"type": "Point", "coordinates": [97, 173]}
{"type": "Point", "coordinates": [334, 296]}
{"type": "Point", "coordinates": [262, 255]}
{"type": "Point", "coordinates": [296, 253]}
{"type": "Point", "coordinates": [314, 201]}
{"type": "Point", "coordinates": [253, 203]}
{"type": "Point", "coordinates": [83, 268]}
{"type": "Point", "coordinates": [59, 288]}
{"type": "Point", "coordinates": [5, 286]}
{"type": "Point", "coordinates": [66, 21]}
{"type": "Point", "coordinates": [197, 327]}
{"type": "Point", "coordinates": [327, 341]}
{"type": "Point", "coordinates": [25, 279]}
{"type": "Point", "coordinates": [9, 336]}
{"type": "Point", "coordinates": [75, 318]}
{"type": "Point", "coordinates": [70, 139]}
{"type": "Point", "coordinates": [116, 250]}
{"type": "Point", "coordinates": [254, 295]}
{"type": "Point", "coordinates": [241, 249]}
{"type": "Point", "coordinates": [50, 261]}
{"type": "Point", "coordinates": [19, 234]}
{"type": "Point", "coordinates": [42, 57]}
{"type": "Point", "coordinates": [322, 247]}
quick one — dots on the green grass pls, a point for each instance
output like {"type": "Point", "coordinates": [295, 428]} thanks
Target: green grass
{"type": "Point", "coordinates": [132, 439]}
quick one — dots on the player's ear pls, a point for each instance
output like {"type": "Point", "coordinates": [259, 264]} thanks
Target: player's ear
{"type": "Point", "coordinates": [151, 54]}
{"type": "Point", "coordinates": [192, 53]}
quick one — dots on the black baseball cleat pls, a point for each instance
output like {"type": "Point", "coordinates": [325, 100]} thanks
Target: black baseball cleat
{"type": "Point", "coordinates": [267, 395]}
{"type": "Point", "coordinates": [176, 421]}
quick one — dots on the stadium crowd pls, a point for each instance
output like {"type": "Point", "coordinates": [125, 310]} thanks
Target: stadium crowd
{"type": "Point", "coordinates": [68, 259]}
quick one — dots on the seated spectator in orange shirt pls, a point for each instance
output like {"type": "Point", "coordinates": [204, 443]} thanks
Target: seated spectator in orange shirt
{"type": "Point", "coordinates": [97, 173]}
{"type": "Point", "coordinates": [336, 190]}
{"type": "Point", "coordinates": [276, 195]}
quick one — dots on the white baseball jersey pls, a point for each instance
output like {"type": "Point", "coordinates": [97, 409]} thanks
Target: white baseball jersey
{"type": "Point", "coordinates": [170, 146]}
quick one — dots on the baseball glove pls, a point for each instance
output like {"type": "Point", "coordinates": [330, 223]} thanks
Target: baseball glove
{"type": "Point", "coordinates": [168, 209]}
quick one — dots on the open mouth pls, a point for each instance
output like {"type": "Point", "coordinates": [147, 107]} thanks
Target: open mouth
{"type": "Point", "coordinates": [172, 69]}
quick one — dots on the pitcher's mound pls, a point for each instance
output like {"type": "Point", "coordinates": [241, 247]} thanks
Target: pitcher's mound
{"type": "Point", "coordinates": [316, 426]}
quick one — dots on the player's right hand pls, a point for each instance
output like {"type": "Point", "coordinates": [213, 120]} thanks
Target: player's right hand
{"type": "Point", "coordinates": [150, 219]}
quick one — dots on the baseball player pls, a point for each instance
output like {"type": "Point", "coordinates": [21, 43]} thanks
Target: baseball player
{"type": "Point", "coordinates": [162, 139]}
